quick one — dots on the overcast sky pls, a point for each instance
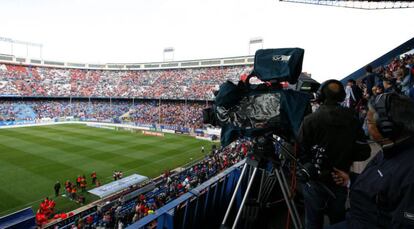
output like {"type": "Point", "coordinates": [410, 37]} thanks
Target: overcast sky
{"type": "Point", "coordinates": [337, 41]}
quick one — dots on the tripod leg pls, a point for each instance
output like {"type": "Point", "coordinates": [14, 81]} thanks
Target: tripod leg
{"type": "Point", "coordinates": [286, 195]}
{"type": "Point", "coordinates": [295, 210]}
{"type": "Point", "coordinates": [261, 187]}
{"type": "Point", "coordinates": [244, 198]}
{"type": "Point", "coordinates": [234, 194]}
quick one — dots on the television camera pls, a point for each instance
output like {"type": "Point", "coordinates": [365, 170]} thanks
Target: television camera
{"type": "Point", "coordinates": [268, 115]}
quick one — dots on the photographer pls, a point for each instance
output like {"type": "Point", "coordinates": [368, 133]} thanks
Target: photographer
{"type": "Point", "coordinates": [382, 196]}
{"type": "Point", "coordinates": [337, 130]}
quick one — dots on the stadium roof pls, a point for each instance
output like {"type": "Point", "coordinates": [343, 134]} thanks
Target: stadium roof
{"type": "Point", "coordinates": [366, 5]}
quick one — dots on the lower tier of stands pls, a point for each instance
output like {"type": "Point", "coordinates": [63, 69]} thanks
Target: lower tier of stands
{"type": "Point", "coordinates": [173, 113]}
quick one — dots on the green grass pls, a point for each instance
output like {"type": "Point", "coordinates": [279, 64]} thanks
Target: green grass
{"type": "Point", "coordinates": [32, 159]}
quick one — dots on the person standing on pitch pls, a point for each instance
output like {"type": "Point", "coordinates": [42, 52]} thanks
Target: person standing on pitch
{"type": "Point", "coordinates": [57, 188]}
{"type": "Point", "coordinates": [93, 176]}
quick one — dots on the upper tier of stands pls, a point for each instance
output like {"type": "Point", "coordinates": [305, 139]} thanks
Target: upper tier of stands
{"type": "Point", "coordinates": [191, 83]}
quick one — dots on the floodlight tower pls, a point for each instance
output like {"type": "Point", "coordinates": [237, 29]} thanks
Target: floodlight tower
{"type": "Point", "coordinates": [168, 54]}
{"type": "Point", "coordinates": [13, 42]}
{"type": "Point", "coordinates": [257, 42]}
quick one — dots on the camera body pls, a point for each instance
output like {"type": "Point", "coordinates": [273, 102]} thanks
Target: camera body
{"type": "Point", "coordinates": [246, 110]}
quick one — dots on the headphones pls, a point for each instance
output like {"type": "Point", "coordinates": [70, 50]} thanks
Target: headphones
{"type": "Point", "coordinates": [321, 94]}
{"type": "Point", "coordinates": [381, 105]}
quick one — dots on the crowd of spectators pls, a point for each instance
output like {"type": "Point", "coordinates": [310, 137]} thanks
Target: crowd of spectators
{"type": "Point", "coordinates": [172, 113]}
{"type": "Point", "coordinates": [397, 76]}
{"type": "Point", "coordinates": [171, 187]}
{"type": "Point", "coordinates": [192, 83]}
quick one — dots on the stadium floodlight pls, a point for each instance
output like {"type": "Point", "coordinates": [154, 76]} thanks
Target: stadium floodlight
{"type": "Point", "coordinates": [5, 39]}
{"type": "Point", "coordinates": [169, 51]}
{"type": "Point", "coordinates": [366, 5]}
{"type": "Point", "coordinates": [26, 43]}
{"type": "Point", "coordinates": [255, 41]}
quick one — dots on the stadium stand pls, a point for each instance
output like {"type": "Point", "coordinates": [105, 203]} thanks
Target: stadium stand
{"type": "Point", "coordinates": [395, 76]}
{"type": "Point", "coordinates": [169, 97]}
{"type": "Point", "coordinates": [191, 84]}
{"type": "Point", "coordinates": [170, 113]}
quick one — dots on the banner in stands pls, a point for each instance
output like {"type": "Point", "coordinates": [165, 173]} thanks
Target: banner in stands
{"type": "Point", "coordinates": [168, 131]}
{"type": "Point", "coordinates": [19, 122]}
{"type": "Point", "coordinates": [214, 131]}
{"type": "Point", "coordinates": [150, 133]}
{"type": "Point", "coordinates": [182, 130]}
{"type": "Point", "coordinates": [116, 186]}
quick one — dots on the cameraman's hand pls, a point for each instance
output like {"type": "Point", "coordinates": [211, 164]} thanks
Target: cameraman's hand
{"type": "Point", "coordinates": [340, 177]}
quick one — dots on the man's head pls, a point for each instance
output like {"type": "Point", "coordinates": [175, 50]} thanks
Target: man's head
{"type": "Point", "coordinates": [332, 92]}
{"type": "Point", "coordinates": [387, 83]}
{"type": "Point", "coordinates": [390, 116]}
{"type": "Point", "coordinates": [351, 82]}
{"type": "Point", "coordinates": [379, 90]}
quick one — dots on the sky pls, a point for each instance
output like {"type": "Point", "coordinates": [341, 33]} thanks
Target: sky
{"type": "Point", "coordinates": [337, 41]}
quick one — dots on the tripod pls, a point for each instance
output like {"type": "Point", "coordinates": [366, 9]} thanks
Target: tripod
{"type": "Point", "coordinates": [276, 175]}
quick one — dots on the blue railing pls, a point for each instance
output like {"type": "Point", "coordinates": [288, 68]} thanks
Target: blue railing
{"type": "Point", "coordinates": [203, 205]}
{"type": "Point", "coordinates": [20, 219]}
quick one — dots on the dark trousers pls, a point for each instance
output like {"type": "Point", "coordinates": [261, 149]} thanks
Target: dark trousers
{"type": "Point", "coordinates": [319, 202]}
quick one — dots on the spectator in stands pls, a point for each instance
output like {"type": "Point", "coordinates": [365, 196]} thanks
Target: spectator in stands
{"type": "Point", "coordinates": [382, 196]}
{"type": "Point", "coordinates": [407, 82]}
{"type": "Point", "coordinates": [337, 130]}
{"type": "Point", "coordinates": [388, 86]}
{"type": "Point", "coordinates": [89, 221]}
{"type": "Point", "coordinates": [353, 94]}
{"type": "Point", "coordinates": [370, 79]}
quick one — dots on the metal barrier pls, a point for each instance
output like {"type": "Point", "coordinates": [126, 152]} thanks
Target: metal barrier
{"type": "Point", "coordinates": [20, 219]}
{"type": "Point", "coordinates": [202, 207]}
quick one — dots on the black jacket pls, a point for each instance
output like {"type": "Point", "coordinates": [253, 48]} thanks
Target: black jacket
{"type": "Point", "coordinates": [371, 80]}
{"type": "Point", "coordinates": [339, 131]}
{"type": "Point", "coordinates": [383, 194]}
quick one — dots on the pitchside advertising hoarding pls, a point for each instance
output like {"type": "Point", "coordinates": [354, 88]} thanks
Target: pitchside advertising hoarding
{"type": "Point", "coordinates": [210, 133]}
{"type": "Point", "coordinates": [20, 122]}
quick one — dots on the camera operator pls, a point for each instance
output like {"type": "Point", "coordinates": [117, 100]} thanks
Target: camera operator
{"type": "Point", "coordinates": [337, 130]}
{"type": "Point", "coordinates": [382, 196]}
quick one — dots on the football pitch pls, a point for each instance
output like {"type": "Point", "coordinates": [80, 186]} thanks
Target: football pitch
{"type": "Point", "coordinates": [32, 159]}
